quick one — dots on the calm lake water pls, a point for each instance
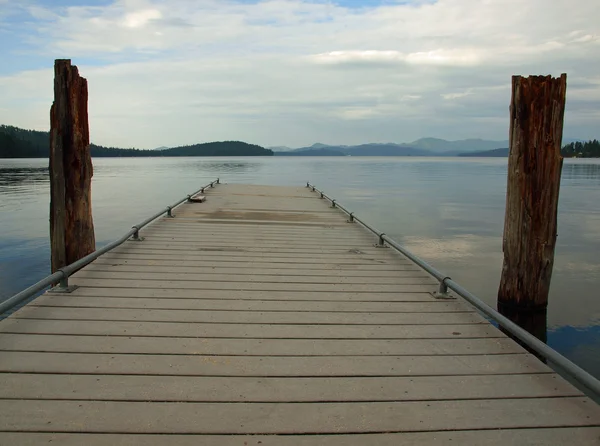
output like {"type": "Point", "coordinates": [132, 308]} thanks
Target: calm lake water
{"type": "Point", "coordinates": [450, 211]}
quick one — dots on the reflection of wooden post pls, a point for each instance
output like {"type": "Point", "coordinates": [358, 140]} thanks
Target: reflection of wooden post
{"type": "Point", "coordinates": [534, 168]}
{"type": "Point", "coordinates": [71, 224]}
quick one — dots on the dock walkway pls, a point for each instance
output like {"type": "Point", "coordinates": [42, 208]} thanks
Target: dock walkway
{"type": "Point", "coordinates": [262, 317]}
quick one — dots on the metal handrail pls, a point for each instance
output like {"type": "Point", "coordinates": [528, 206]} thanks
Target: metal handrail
{"type": "Point", "coordinates": [573, 370]}
{"type": "Point", "coordinates": [62, 275]}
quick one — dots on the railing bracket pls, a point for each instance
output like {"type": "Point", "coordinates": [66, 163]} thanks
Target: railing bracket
{"type": "Point", "coordinates": [442, 292]}
{"type": "Point", "coordinates": [63, 286]}
{"type": "Point", "coordinates": [136, 236]}
{"type": "Point", "coordinates": [381, 242]}
{"type": "Point", "coordinates": [62, 290]}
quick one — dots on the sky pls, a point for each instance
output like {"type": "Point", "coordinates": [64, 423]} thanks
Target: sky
{"type": "Point", "coordinates": [296, 72]}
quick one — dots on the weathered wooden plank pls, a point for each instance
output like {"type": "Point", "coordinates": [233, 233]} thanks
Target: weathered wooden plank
{"type": "Point", "coordinates": [207, 365]}
{"type": "Point", "coordinates": [243, 267]}
{"type": "Point", "coordinates": [319, 260]}
{"type": "Point", "coordinates": [256, 347]}
{"type": "Point", "coordinates": [161, 233]}
{"type": "Point", "coordinates": [314, 389]}
{"type": "Point", "coordinates": [247, 317]}
{"type": "Point", "coordinates": [179, 223]}
{"type": "Point", "coordinates": [368, 246]}
{"type": "Point", "coordinates": [338, 235]}
{"type": "Point", "coordinates": [356, 249]}
{"type": "Point", "coordinates": [503, 437]}
{"type": "Point", "coordinates": [412, 285]}
{"type": "Point", "coordinates": [280, 250]}
{"type": "Point", "coordinates": [195, 330]}
{"type": "Point", "coordinates": [283, 251]}
{"type": "Point", "coordinates": [246, 222]}
{"type": "Point", "coordinates": [252, 243]}
{"type": "Point", "coordinates": [249, 270]}
{"type": "Point", "coordinates": [281, 211]}
{"type": "Point", "coordinates": [256, 295]}
{"type": "Point", "coordinates": [273, 418]}
{"type": "Point", "coordinates": [269, 209]}
{"type": "Point", "coordinates": [436, 306]}
{"type": "Point", "coordinates": [401, 277]}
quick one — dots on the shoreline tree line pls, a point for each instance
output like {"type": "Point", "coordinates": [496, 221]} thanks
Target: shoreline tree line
{"type": "Point", "coordinates": [21, 143]}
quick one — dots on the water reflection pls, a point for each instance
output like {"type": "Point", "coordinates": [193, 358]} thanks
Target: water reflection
{"type": "Point", "coordinates": [584, 170]}
{"type": "Point", "coordinates": [12, 178]}
{"type": "Point", "coordinates": [449, 211]}
{"type": "Point", "coordinates": [534, 321]}
{"type": "Point", "coordinates": [228, 167]}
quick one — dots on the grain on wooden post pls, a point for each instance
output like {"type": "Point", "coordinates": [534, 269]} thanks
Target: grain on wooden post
{"type": "Point", "coordinates": [534, 169]}
{"type": "Point", "coordinates": [71, 225]}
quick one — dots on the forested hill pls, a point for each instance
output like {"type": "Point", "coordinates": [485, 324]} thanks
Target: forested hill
{"type": "Point", "coordinates": [590, 149]}
{"type": "Point", "coordinates": [20, 143]}
{"type": "Point", "coordinates": [578, 149]}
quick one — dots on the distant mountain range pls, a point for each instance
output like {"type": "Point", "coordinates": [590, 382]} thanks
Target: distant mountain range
{"type": "Point", "coordinates": [488, 153]}
{"type": "Point", "coordinates": [420, 147]}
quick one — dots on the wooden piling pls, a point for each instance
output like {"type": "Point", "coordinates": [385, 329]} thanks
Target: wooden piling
{"type": "Point", "coordinates": [534, 169]}
{"type": "Point", "coordinates": [71, 224]}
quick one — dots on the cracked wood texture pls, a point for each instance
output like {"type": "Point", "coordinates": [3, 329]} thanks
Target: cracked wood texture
{"type": "Point", "coordinates": [534, 168]}
{"type": "Point", "coordinates": [261, 317]}
{"type": "Point", "coordinates": [71, 225]}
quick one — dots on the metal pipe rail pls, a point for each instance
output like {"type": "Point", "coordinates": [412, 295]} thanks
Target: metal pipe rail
{"type": "Point", "coordinates": [583, 378]}
{"type": "Point", "coordinates": [62, 275]}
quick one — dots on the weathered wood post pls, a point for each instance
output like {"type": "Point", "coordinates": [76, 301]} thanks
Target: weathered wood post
{"type": "Point", "coordinates": [71, 225]}
{"type": "Point", "coordinates": [534, 169]}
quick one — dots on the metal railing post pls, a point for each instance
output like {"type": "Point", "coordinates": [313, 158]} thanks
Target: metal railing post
{"type": "Point", "coordinates": [136, 235]}
{"type": "Point", "coordinates": [63, 285]}
{"type": "Point", "coordinates": [442, 292]}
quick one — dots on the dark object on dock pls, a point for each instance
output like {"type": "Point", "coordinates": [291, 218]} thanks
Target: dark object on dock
{"type": "Point", "coordinates": [71, 225]}
{"type": "Point", "coordinates": [534, 168]}
{"type": "Point", "coordinates": [198, 199]}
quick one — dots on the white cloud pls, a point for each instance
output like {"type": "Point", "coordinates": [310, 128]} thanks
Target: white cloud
{"type": "Point", "coordinates": [450, 96]}
{"type": "Point", "coordinates": [434, 57]}
{"type": "Point", "coordinates": [141, 18]}
{"type": "Point", "coordinates": [336, 57]}
{"type": "Point", "coordinates": [294, 72]}
{"type": "Point", "coordinates": [445, 57]}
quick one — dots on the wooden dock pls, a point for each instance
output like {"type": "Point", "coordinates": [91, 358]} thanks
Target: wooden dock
{"type": "Point", "coordinates": [262, 317]}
